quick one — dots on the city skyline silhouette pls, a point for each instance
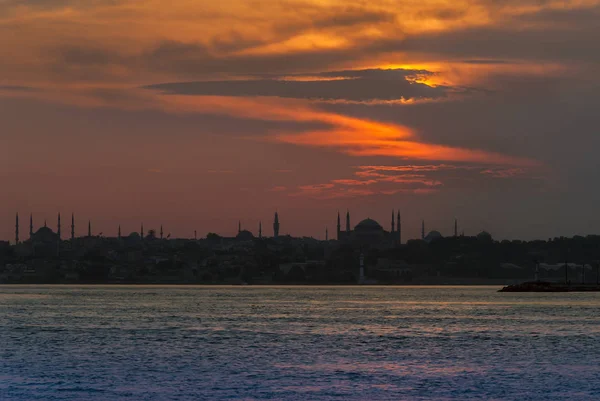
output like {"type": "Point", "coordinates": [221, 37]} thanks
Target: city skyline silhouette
{"type": "Point", "coordinates": [200, 118]}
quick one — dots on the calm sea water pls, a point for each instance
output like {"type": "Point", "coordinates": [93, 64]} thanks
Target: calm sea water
{"type": "Point", "coordinates": [296, 343]}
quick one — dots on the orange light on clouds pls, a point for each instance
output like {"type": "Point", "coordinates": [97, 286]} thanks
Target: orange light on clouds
{"type": "Point", "coordinates": [354, 136]}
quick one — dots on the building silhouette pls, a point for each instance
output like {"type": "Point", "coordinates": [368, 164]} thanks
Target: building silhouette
{"type": "Point", "coordinates": [370, 232]}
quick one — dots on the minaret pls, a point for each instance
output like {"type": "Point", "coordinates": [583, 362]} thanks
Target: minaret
{"type": "Point", "coordinates": [161, 231]}
{"type": "Point", "coordinates": [30, 226]}
{"type": "Point", "coordinates": [260, 229]}
{"type": "Point", "coordinates": [239, 226]}
{"type": "Point", "coordinates": [58, 227]}
{"type": "Point", "coordinates": [195, 235]}
{"type": "Point", "coordinates": [17, 230]}
{"type": "Point", "coordinates": [399, 228]}
{"type": "Point", "coordinates": [276, 226]}
{"type": "Point", "coordinates": [326, 234]}
{"type": "Point", "coordinates": [455, 228]}
{"type": "Point", "coordinates": [72, 226]}
{"type": "Point", "coordinates": [142, 231]}
{"type": "Point", "coordinates": [45, 224]}
{"type": "Point", "coordinates": [423, 230]}
{"type": "Point", "coordinates": [393, 228]}
{"type": "Point", "coordinates": [89, 228]}
{"type": "Point", "coordinates": [339, 226]}
{"type": "Point", "coordinates": [348, 222]}
{"type": "Point", "coordinates": [119, 232]}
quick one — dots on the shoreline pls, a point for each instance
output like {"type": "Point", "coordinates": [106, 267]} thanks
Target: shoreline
{"type": "Point", "coordinates": [260, 284]}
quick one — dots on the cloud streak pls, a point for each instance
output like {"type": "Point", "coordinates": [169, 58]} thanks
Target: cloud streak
{"type": "Point", "coordinates": [409, 179]}
{"type": "Point", "coordinates": [349, 85]}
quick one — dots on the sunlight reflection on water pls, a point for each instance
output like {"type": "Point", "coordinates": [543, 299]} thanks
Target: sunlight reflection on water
{"type": "Point", "coordinates": [350, 343]}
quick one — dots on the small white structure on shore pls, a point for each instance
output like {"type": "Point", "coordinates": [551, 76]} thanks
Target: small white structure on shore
{"type": "Point", "coordinates": [361, 278]}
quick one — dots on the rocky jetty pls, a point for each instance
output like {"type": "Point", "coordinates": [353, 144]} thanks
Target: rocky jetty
{"type": "Point", "coordinates": [543, 286]}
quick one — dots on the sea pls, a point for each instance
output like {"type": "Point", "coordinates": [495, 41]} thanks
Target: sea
{"type": "Point", "coordinates": [297, 343]}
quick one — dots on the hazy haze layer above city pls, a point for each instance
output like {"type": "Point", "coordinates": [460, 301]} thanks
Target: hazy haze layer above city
{"type": "Point", "coordinates": [197, 114]}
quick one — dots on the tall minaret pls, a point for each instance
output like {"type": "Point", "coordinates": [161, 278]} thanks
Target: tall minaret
{"type": "Point", "coordinates": [339, 226]}
{"type": "Point", "coordinates": [17, 230]}
{"type": "Point", "coordinates": [72, 226]}
{"type": "Point", "coordinates": [45, 224]}
{"type": "Point", "coordinates": [455, 228]}
{"type": "Point", "coordinates": [119, 232]}
{"type": "Point", "coordinates": [58, 227]}
{"type": "Point", "coordinates": [195, 235]}
{"type": "Point", "coordinates": [239, 226]}
{"type": "Point", "coordinates": [326, 234]}
{"type": "Point", "coordinates": [423, 229]}
{"type": "Point", "coordinates": [31, 226]}
{"type": "Point", "coordinates": [142, 231]}
{"type": "Point", "coordinates": [276, 226]}
{"type": "Point", "coordinates": [393, 228]}
{"type": "Point", "coordinates": [161, 231]}
{"type": "Point", "coordinates": [260, 229]}
{"type": "Point", "coordinates": [89, 228]}
{"type": "Point", "coordinates": [348, 222]}
{"type": "Point", "coordinates": [399, 228]}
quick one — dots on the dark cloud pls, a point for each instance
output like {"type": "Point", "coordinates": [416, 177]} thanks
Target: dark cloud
{"type": "Point", "coordinates": [486, 62]}
{"type": "Point", "coordinates": [374, 73]}
{"type": "Point", "coordinates": [88, 56]}
{"type": "Point", "coordinates": [352, 16]}
{"type": "Point", "coordinates": [194, 59]}
{"type": "Point", "coordinates": [560, 36]}
{"type": "Point", "coordinates": [233, 42]}
{"type": "Point", "coordinates": [442, 14]}
{"type": "Point", "coordinates": [359, 86]}
{"type": "Point", "coordinates": [563, 18]}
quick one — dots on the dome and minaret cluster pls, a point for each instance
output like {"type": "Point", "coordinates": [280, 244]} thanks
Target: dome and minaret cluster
{"type": "Point", "coordinates": [366, 232]}
{"type": "Point", "coordinates": [370, 232]}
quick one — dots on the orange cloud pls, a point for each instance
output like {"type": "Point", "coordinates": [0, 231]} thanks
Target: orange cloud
{"type": "Point", "coordinates": [132, 42]}
{"type": "Point", "coordinates": [369, 138]}
{"type": "Point", "coordinates": [350, 135]}
{"type": "Point", "coordinates": [401, 179]}
{"type": "Point", "coordinates": [354, 182]}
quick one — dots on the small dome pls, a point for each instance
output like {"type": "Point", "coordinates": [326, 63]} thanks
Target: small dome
{"type": "Point", "coordinates": [368, 224]}
{"type": "Point", "coordinates": [484, 236]}
{"type": "Point", "coordinates": [432, 236]}
{"type": "Point", "coordinates": [244, 235]}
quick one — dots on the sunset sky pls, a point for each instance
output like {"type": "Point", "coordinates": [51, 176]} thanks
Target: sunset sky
{"type": "Point", "coordinates": [197, 114]}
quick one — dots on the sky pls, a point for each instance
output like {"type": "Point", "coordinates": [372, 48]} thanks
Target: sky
{"type": "Point", "coordinates": [196, 114]}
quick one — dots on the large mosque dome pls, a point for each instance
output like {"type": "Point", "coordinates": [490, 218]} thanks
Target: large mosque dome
{"type": "Point", "coordinates": [368, 231]}
{"type": "Point", "coordinates": [45, 234]}
{"type": "Point", "coordinates": [368, 225]}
